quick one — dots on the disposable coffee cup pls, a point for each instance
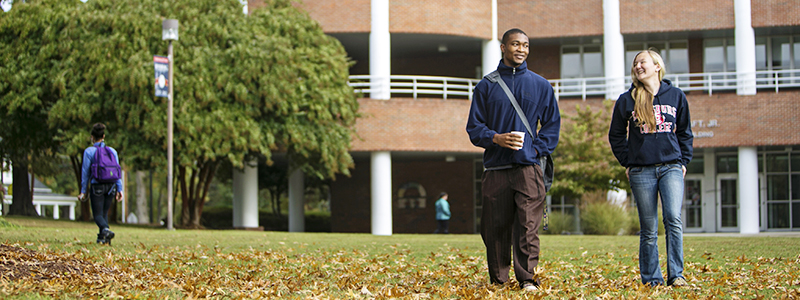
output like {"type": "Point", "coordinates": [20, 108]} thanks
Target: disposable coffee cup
{"type": "Point", "coordinates": [521, 135]}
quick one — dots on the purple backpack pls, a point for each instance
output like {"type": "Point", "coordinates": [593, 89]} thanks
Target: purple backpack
{"type": "Point", "coordinates": [105, 168]}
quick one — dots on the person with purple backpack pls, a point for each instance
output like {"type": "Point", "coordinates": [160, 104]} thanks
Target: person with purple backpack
{"type": "Point", "coordinates": [101, 168]}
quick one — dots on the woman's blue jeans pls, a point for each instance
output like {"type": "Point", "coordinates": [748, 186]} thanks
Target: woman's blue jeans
{"type": "Point", "coordinates": [647, 183]}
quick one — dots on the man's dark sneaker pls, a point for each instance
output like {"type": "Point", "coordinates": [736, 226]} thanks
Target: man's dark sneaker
{"type": "Point", "coordinates": [107, 236]}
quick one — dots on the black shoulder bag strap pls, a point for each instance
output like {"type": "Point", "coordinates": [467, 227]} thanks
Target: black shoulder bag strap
{"type": "Point", "coordinates": [545, 160]}
{"type": "Point", "coordinates": [495, 77]}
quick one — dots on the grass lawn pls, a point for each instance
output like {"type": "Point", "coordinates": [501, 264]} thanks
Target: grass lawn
{"type": "Point", "coordinates": [44, 259]}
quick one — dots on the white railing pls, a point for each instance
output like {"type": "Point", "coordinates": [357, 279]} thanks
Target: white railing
{"type": "Point", "coordinates": [726, 81]}
{"type": "Point", "coordinates": [582, 87]}
{"type": "Point", "coordinates": [417, 86]}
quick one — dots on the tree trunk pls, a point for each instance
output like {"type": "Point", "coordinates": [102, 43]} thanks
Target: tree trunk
{"type": "Point", "coordinates": [22, 201]}
{"type": "Point", "coordinates": [206, 175]}
{"type": "Point", "coordinates": [86, 206]}
{"type": "Point", "coordinates": [141, 199]}
{"type": "Point", "coordinates": [2, 187]}
{"type": "Point", "coordinates": [276, 202]}
{"type": "Point", "coordinates": [184, 198]}
{"type": "Point", "coordinates": [194, 189]}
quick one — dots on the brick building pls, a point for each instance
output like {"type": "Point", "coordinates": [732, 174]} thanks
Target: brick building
{"type": "Point", "coordinates": [738, 61]}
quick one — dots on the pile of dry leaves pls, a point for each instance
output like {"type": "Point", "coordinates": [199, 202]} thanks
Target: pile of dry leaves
{"type": "Point", "coordinates": [200, 271]}
{"type": "Point", "coordinates": [18, 263]}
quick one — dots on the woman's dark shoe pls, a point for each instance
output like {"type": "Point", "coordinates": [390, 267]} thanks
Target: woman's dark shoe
{"type": "Point", "coordinates": [107, 236]}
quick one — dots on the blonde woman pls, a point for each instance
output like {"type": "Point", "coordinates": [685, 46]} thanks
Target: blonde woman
{"type": "Point", "coordinates": [651, 136]}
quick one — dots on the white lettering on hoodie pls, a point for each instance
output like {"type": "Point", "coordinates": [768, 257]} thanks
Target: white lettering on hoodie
{"type": "Point", "coordinates": [661, 124]}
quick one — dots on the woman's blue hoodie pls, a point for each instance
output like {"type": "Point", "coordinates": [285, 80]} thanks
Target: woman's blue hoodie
{"type": "Point", "coordinates": [672, 140]}
{"type": "Point", "coordinates": [492, 113]}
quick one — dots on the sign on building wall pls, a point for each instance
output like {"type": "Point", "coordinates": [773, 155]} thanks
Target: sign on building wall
{"type": "Point", "coordinates": [162, 73]}
{"type": "Point", "coordinates": [704, 128]}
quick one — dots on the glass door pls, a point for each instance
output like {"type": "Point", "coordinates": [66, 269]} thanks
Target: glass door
{"type": "Point", "coordinates": [727, 203]}
{"type": "Point", "coordinates": [693, 204]}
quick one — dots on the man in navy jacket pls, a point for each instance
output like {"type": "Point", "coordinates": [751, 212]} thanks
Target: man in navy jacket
{"type": "Point", "coordinates": [513, 189]}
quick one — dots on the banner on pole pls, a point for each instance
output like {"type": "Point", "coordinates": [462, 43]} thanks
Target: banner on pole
{"type": "Point", "coordinates": [162, 73]}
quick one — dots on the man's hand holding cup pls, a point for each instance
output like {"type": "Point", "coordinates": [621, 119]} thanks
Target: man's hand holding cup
{"type": "Point", "coordinates": [512, 140]}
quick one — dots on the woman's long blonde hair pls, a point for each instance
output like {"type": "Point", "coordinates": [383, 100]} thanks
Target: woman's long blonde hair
{"type": "Point", "coordinates": [642, 98]}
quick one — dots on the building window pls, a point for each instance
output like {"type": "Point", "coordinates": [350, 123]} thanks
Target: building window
{"type": "Point", "coordinates": [776, 53]}
{"type": "Point", "coordinates": [761, 54]}
{"type": "Point", "coordinates": [674, 53]}
{"type": "Point", "coordinates": [719, 55]}
{"type": "Point", "coordinates": [796, 52]}
{"type": "Point", "coordinates": [696, 166]}
{"type": "Point", "coordinates": [727, 164]}
{"type": "Point", "coordinates": [581, 61]}
{"type": "Point", "coordinates": [783, 190]}
{"type": "Point", "coordinates": [781, 53]}
{"type": "Point", "coordinates": [693, 192]}
{"type": "Point", "coordinates": [693, 204]}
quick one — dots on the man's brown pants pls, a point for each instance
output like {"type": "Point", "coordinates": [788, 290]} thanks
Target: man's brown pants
{"type": "Point", "coordinates": [513, 203]}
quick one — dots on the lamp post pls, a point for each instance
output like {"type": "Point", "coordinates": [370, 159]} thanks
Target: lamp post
{"type": "Point", "coordinates": [169, 31]}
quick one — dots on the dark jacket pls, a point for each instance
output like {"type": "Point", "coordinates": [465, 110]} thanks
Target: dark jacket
{"type": "Point", "coordinates": [672, 140]}
{"type": "Point", "coordinates": [492, 112]}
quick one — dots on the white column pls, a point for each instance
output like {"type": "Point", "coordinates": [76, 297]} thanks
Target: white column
{"type": "Point", "coordinates": [745, 49]}
{"type": "Point", "coordinates": [380, 58]}
{"type": "Point", "coordinates": [297, 222]}
{"type": "Point", "coordinates": [748, 190]}
{"type": "Point", "coordinates": [72, 212]}
{"type": "Point", "coordinates": [491, 49]}
{"type": "Point", "coordinates": [56, 212]}
{"type": "Point", "coordinates": [381, 180]}
{"type": "Point", "coordinates": [244, 6]}
{"type": "Point", "coordinates": [709, 191]}
{"type": "Point", "coordinates": [245, 196]}
{"type": "Point", "coordinates": [614, 50]}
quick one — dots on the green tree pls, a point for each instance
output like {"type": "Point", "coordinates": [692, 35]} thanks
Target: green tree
{"type": "Point", "coordinates": [583, 159]}
{"type": "Point", "coordinates": [245, 86]}
{"type": "Point", "coordinates": [30, 51]}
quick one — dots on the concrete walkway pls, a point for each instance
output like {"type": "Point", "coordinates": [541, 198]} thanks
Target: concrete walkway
{"type": "Point", "coordinates": [791, 234]}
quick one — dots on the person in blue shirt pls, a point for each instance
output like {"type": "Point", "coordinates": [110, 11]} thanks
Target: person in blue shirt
{"type": "Point", "coordinates": [442, 214]}
{"type": "Point", "coordinates": [102, 194]}
{"type": "Point", "coordinates": [651, 136]}
{"type": "Point", "coordinates": [513, 190]}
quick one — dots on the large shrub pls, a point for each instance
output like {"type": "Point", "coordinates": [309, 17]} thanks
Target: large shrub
{"type": "Point", "coordinates": [603, 218]}
{"type": "Point", "coordinates": [598, 216]}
